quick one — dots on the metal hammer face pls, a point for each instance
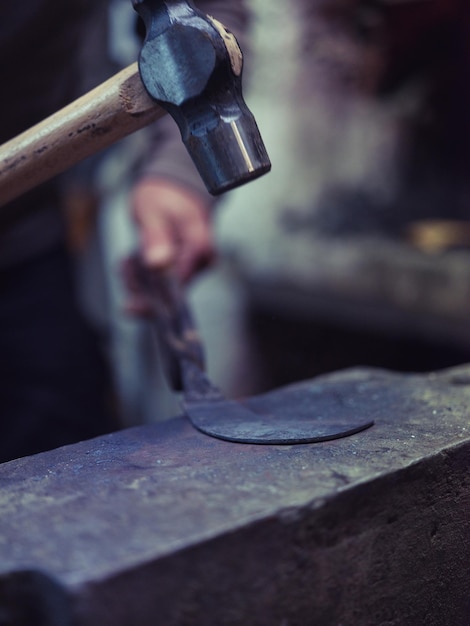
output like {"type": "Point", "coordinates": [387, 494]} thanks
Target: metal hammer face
{"type": "Point", "coordinates": [192, 66]}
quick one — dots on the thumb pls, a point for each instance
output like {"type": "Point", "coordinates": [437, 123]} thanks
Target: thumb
{"type": "Point", "coordinates": [157, 243]}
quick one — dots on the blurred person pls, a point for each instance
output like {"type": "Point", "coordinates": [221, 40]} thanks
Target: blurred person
{"type": "Point", "coordinates": [54, 387]}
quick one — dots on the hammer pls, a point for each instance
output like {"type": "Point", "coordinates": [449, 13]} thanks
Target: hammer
{"type": "Point", "coordinates": [189, 66]}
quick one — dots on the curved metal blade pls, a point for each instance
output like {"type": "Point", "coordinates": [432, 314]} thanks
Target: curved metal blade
{"type": "Point", "coordinates": [327, 417]}
{"type": "Point", "coordinates": [231, 421]}
{"type": "Point", "coordinates": [309, 420]}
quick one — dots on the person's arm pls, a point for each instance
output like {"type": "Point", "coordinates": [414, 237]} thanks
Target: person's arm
{"type": "Point", "coordinates": [169, 202]}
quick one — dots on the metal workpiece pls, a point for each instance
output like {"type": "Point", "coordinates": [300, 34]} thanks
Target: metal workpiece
{"type": "Point", "coordinates": [192, 66]}
{"type": "Point", "coordinates": [161, 525]}
{"type": "Point", "coordinates": [331, 416]}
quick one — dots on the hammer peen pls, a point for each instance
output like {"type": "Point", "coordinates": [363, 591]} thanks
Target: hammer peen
{"type": "Point", "coordinates": [190, 66]}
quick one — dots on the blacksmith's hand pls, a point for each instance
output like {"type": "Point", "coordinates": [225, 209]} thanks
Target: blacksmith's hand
{"type": "Point", "coordinates": [174, 227]}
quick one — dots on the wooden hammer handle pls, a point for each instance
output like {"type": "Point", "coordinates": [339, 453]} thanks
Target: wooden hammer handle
{"type": "Point", "coordinates": [111, 111]}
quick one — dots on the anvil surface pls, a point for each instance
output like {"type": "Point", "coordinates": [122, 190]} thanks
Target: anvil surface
{"type": "Point", "coordinates": [162, 525]}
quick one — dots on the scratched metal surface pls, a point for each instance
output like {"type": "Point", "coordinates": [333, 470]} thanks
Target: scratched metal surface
{"type": "Point", "coordinates": [83, 511]}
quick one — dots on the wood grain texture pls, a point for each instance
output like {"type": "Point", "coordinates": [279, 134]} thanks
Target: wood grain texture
{"type": "Point", "coordinates": [111, 111]}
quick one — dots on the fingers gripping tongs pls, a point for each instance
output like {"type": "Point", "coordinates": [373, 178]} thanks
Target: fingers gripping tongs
{"type": "Point", "coordinates": [203, 403]}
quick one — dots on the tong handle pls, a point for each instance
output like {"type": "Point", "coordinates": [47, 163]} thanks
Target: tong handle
{"type": "Point", "coordinates": [173, 322]}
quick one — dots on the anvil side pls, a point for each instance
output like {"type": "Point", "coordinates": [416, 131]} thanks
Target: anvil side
{"type": "Point", "coordinates": [162, 525]}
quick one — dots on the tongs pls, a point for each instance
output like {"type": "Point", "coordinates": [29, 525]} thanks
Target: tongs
{"type": "Point", "coordinates": [202, 401]}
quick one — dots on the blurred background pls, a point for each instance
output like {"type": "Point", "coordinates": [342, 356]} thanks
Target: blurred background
{"type": "Point", "coordinates": [355, 249]}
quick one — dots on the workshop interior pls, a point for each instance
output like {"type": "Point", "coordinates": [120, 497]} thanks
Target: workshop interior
{"type": "Point", "coordinates": [293, 423]}
{"type": "Point", "coordinates": [353, 250]}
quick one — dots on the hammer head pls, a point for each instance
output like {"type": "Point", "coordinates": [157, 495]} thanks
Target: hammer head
{"type": "Point", "coordinates": [192, 66]}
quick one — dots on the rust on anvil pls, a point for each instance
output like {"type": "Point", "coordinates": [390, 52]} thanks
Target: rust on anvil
{"type": "Point", "coordinates": [162, 525]}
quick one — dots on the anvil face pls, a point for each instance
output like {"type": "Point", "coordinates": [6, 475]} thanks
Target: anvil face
{"type": "Point", "coordinates": [164, 525]}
